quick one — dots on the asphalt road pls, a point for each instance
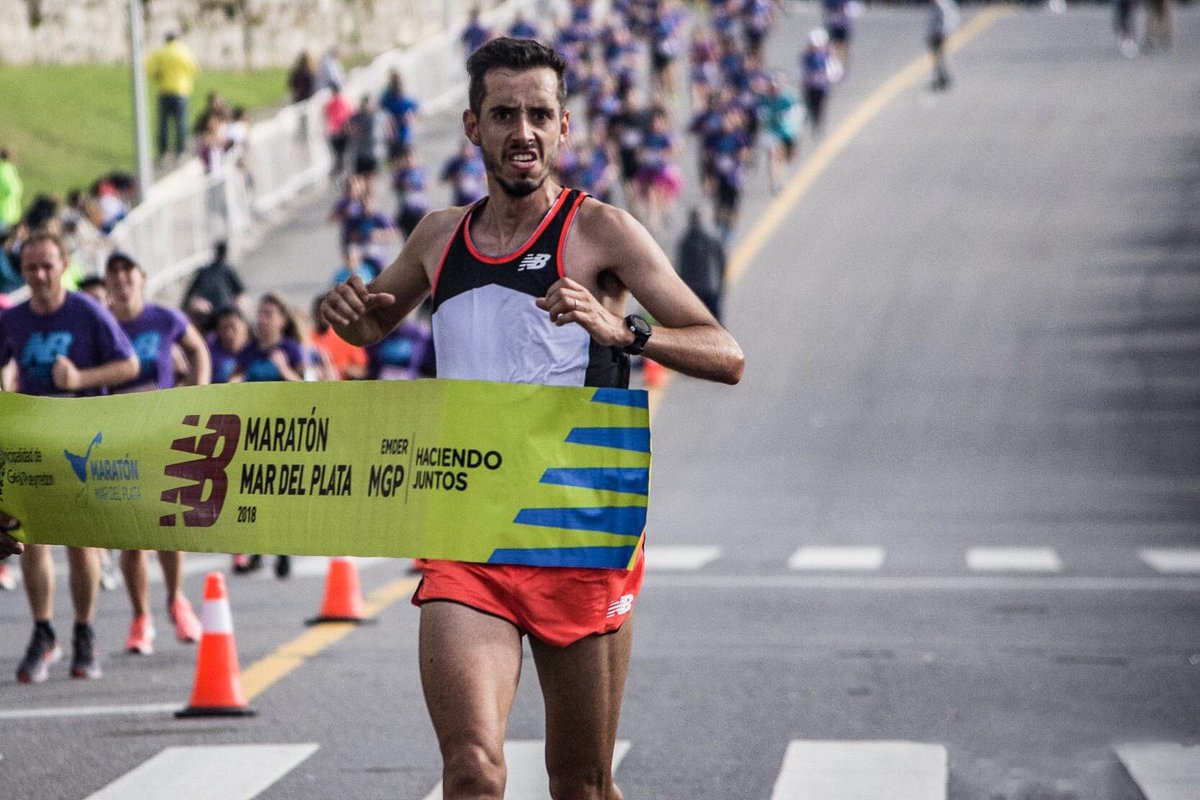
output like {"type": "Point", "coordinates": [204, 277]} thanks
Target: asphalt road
{"type": "Point", "coordinates": [942, 540]}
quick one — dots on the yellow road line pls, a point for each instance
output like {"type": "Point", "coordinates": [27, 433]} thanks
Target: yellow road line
{"type": "Point", "coordinates": [833, 145]}
{"type": "Point", "coordinates": [273, 667]}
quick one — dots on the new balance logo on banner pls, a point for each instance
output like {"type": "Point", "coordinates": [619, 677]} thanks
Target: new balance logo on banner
{"type": "Point", "coordinates": [533, 261]}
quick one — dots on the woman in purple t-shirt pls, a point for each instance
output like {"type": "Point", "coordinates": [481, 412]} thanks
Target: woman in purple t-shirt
{"type": "Point", "coordinates": [154, 332]}
{"type": "Point", "coordinates": [276, 354]}
{"type": "Point", "coordinates": [65, 344]}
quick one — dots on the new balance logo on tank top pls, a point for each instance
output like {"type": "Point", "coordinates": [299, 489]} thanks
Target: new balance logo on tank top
{"type": "Point", "coordinates": [486, 325]}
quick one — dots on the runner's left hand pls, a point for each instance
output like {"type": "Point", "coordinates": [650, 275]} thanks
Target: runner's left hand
{"type": "Point", "coordinates": [8, 545]}
{"type": "Point", "coordinates": [569, 301]}
{"type": "Point", "coordinates": [65, 374]}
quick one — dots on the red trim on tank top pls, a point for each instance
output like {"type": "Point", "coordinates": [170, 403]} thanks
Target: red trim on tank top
{"type": "Point", "coordinates": [446, 250]}
{"type": "Point", "coordinates": [520, 251]}
{"type": "Point", "coordinates": [562, 237]}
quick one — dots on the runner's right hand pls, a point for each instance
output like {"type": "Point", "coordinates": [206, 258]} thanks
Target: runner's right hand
{"type": "Point", "coordinates": [351, 301]}
{"type": "Point", "coordinates": [8, 545]}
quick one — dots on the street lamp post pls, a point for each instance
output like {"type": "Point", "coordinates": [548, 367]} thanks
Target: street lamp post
{"type": "Point", "coordinates": [141, 115]}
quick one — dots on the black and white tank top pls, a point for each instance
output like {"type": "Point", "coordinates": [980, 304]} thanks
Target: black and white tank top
{"type": "Point", "coordinates": [486, 325]}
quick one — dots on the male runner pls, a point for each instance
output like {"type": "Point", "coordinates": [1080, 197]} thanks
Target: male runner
{"type": "Point", "coordinates": [530, 285]}
{"type": "Point", "coordinates": [65, 344]}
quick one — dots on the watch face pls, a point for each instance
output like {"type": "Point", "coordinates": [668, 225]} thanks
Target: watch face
{"type": "Point", "coordinates": [638, 325]}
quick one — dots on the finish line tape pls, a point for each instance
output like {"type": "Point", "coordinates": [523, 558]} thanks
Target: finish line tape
{"type": "Point", "coordinates": [458, 470]}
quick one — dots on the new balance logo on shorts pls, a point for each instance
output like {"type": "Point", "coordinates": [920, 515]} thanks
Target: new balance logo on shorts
{"type": "Point", "coordinates": [620, 608]}
{"type": "Point", "coordinates": [533, 261]}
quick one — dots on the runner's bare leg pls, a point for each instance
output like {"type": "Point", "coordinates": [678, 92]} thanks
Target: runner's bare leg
{"type": "Point", "coordinates": [171, 562]}
{"type": "Point", "coordinates": [470, 665]}
{"type": "Point", "coordinates": [137, 582]}
{"type": "Point", "coordinates": [84, 579]}
{"type": "Point", "coordinates": [37, 568]}
{"type": "Point", "coordinates": [582, 685]}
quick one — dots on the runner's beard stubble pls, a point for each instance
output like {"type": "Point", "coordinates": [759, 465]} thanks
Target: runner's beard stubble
{"type": "Point", "coordinates": [515, 189]}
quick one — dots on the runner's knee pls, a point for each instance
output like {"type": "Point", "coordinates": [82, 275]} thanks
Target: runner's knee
{"type": "Point", "coordinates": [472, 770]}
{"type": "Point", "coordinates": [576, 783]}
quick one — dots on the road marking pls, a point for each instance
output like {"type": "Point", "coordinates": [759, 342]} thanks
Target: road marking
{"type": "Point", "coordinates": [1013, 559]}
{"type": "Point", "coordinates": [680, 558]}
{"type": "Point", "coordinates": [1163, 770]}
{"type": "Point", "coordinates": [526, 762]}
{"type": "Point", "coordinates": [90, 711]}
{"type": "Point", "coordinates": [273, 667]}
{"type": "Point", "coordinates": [815, 770]}
{"type": "Point", "coordinates": [1173, 560]}
{"type": "Point", "coordinates": [830, 147]}
{"type": "Point", "coordinates": [925, 583]}
{"type": "Point", "coordinates": [860, 559]}
{"type": "Point", "coordinates": [230, 772]}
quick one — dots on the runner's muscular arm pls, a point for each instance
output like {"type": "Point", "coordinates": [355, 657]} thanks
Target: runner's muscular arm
{"type": "Point", "coordinates": [364, 314]}
{"type": "Point", "coordinates": [687, 338]}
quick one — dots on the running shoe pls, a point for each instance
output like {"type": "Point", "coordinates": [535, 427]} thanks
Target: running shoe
{"type": "Point", "coordinates": [43, 651]}
{"type": "Point", "coordinates": [187, 626]}
{"type": "Point", "coordinates": [141, 636]}
{"type": "Point", "coordinates": [283, 566]}
{"type": "Point", "coordinates": [8, 581]}
{"type": "Point", "coordinates": [244, 564]}
{"type": "Point", "coordinates": [85, 661]}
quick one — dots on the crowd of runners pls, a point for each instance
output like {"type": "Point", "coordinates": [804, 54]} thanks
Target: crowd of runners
{"type": "Point", "coordinates": [640, 80]}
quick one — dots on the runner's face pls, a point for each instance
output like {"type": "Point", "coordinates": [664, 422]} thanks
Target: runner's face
{"type": "Point", "coordinates": [42, 267]}
{"type": "Point", "coordinates": [519, 128]}
{"type": "Point", "coordinates": [124, 281]}
{"type": "Point", "coordinates": [270, 322]}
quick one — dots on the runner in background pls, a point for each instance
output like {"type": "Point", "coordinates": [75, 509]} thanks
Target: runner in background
{"type": "Point", "coordinates": [154, 331]}
{"type": "Point", "coordinates": [229, 337]}
{"type": "Point", "coordinates": [275, 354]}
{"type": "Point", "coordinates": [65, 345]}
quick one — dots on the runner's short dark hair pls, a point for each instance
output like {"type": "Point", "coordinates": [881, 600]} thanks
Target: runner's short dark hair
{"type": "Point", "coordinates": [513, 54]}
{"type": "Point", "coordinates": [42, 235]}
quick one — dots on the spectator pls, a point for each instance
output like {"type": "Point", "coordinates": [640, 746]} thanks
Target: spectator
{"type": "Point", "coordinates": [302, 79]}
{"type": "Point", "coordinates": [329, 73]}
{"type": "Point", "coordinates": [11, 190]}
{"type": "Point", "coordinates": [701, 262]}
{"type": "Point", "coordinates": [337, 112]}
{"type": "Point", "coordinates": [172, 69]}
{"type": "Point", "coordinates": [216, 283]}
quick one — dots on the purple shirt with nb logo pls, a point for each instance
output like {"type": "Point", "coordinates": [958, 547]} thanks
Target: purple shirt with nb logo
{"type": "Point", "coordinates": [82, 330]}
{"type": "Point", "coordinates": [152, 334]}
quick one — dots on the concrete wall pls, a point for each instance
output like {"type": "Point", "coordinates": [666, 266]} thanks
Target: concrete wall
{"type": "Point", "coordinates": [222, 33]}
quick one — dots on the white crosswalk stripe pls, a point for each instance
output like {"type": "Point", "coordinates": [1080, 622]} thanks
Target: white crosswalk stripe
{"type": "Point", "coordinates": [1172, 560]}
{"type": "Point", "coordinates": [861, 559]}
{"type": "Point", "coordinates": [526, 762]}
{"type": "Point", "coordinates": [857, 770]}
{"type": "Point", "coordinates": [1013, 559]}
{"type": "Point", "coordinates": [230, 772]}
{"type": "Point", "coordinates": [1163, 770]}
{"type": "Point", "coordinates": [680, 558]}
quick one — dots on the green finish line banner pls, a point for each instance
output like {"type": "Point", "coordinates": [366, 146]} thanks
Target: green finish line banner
{"type": "Point", "coordinates": [459, 470]}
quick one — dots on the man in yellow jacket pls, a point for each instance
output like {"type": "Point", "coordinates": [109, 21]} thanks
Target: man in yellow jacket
{"type": "Point", "coordinates": [173, 70]}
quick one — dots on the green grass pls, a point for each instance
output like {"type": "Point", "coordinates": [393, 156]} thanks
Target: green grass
{"type": "Point", "coordinates": [67, 125]}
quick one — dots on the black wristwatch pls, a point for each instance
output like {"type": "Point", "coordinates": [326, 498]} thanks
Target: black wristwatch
{"type": "Point", "coordinates": [641, 334]}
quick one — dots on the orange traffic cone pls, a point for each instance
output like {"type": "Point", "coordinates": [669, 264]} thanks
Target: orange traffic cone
{"type": "Point", "coordinates": [343, 598]}
{"type": "Point", "coordinates": [218, 688]}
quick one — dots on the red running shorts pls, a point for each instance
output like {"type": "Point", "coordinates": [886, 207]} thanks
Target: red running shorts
{"type": "Point", "coordinates": [556, 605]}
